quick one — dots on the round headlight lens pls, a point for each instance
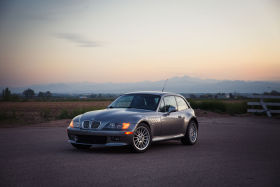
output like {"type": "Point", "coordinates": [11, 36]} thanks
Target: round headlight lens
{"type": "Point", "coordinates": [117, 126]}
{"type": "Point", "coordinates": [76, 124]}
{"type": "Point", "coordinates": [111, 125]}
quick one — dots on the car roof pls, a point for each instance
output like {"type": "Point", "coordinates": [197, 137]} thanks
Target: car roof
{"type": "Point", "coordinates": [154, 93]}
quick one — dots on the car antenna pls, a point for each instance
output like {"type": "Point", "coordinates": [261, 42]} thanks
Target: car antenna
{"type": "Point", "coordinates": [164, 85]}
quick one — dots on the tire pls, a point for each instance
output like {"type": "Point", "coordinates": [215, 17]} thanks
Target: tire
{"type": "Point", "coordinates": [80, 146]}
{"type": "Point", "coordinates": [191, 134]}
{"type": "Point", "coordinates": [141, 139]}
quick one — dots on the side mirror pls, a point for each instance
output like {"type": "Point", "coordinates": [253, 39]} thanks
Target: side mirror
{"type": "Point", "coordinates": [172, 109]}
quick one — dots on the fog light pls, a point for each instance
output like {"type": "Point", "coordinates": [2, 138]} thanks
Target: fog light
{"type": "Point", "coordinates": [73, 137]}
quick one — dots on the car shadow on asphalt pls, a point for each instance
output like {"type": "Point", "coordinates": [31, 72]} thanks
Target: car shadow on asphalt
{"type": "Point", "coordinates": [156, 146]}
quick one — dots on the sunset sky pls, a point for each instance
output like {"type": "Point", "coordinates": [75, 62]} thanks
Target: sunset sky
{"type": "Point", "coordinates": [128, 41]}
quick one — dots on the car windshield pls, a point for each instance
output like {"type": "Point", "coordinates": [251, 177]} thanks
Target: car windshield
{"type": "Point", "coordinates": [139, 101]}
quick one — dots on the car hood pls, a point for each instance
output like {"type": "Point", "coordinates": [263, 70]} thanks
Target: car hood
{"type": "Point", "coordinates": [117, 115]}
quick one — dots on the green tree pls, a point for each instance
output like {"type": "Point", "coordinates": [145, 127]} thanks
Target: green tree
{"type": "Point", "coordinates": [41, 94]}
{"type": "Point", "coordinates": [274, 92]}
{"type": "Point", "coordinates": [6, 94]}
{"type": "Point", "coordinates": [45, 95]}
{"type": "Point", "coordinates": [28, 93]}
{"type": "Point", "coordinates": [48, 94]}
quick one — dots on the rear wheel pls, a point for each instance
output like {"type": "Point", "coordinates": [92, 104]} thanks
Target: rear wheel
{"type": "Point", "coordinates": [190, 137]}
{"type": "Point", "coordinates": [80, 146]}
{"type": "Point", "coordinates": [141, 138]}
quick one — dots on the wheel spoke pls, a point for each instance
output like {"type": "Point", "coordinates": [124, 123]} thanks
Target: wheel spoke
{"type": "Point", "coordinates": [193, 133]}
{"type": "Point", "coordinates": [141, 138]}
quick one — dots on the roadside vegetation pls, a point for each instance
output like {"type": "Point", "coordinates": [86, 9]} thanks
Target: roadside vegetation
{"type": "Point", "coordinates": [31, 112]}
{"type": "Point", "coordinates": [69, 114]}
{"type": "Point", "coordinates": [221, 106]}
{"type": "Point", "coordinates": [30, 95]}
{"type": "Point", "coordinates": [29, 107]}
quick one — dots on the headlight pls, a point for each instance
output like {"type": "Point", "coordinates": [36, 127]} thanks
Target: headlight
{"type": "Point", "coordinates": [74, 124]}
{"type": "Point", "coordinates": [71, 124]}
{"type": "Point", "coordinates": [117, 126]}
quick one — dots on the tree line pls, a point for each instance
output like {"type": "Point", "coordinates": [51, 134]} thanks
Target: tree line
{"type": "Point", "coordinates": [28, 94]}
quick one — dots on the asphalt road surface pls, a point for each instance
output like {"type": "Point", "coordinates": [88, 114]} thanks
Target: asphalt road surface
{"type": "Point", "coordinates": [232, 151]}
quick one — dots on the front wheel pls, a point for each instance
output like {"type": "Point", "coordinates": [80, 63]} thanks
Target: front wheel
{"type": "Point", "coordinates": [141, 138]}
{"type": "Point", "coordinates": [190, 137]}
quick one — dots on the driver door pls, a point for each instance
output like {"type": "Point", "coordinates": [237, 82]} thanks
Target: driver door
{"type": "Point", "coordinates": [171, 121]}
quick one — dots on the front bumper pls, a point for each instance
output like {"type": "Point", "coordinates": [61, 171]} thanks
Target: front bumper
{"type": "Point", "coordinates": [98, 138]}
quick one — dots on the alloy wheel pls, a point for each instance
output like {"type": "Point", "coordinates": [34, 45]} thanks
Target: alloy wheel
{"type": "Point", "coordinates": [193, 133]}
{"type": "Point", "coordinates": [141, 138]}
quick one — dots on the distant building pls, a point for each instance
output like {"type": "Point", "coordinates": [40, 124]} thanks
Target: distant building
{"type": "Point", "coordinates": [222, 96]}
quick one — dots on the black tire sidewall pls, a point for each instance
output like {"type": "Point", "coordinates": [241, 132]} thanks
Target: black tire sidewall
{"type": "Point", "coordinates": [186, 140]}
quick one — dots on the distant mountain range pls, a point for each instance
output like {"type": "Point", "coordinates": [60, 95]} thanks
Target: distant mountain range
{"type": "Point", "coordinates": [183, 84]}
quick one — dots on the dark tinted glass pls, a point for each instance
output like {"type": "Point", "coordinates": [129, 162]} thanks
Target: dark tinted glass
{"type": "Point", "coordinates": [139, 101]}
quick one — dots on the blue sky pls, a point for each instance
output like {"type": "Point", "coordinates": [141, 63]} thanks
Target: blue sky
{"type": "Point", "coordinates": [128, 41]}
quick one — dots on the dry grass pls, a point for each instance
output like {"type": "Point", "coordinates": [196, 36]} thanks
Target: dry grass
{"type": "Point", "coordinates": [24, 113]}
{"type": "Point", "coordinates": [37, 112]}
{"type": "Point", "coordinates": [221, 106]}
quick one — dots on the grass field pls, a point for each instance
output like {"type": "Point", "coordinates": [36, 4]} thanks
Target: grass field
{"type": "Point", "coordinates": [31, 112]}
{"type": "Point", "coordinates": [220, 106]}
{"type": "Point", "coordinates": [36, 112]}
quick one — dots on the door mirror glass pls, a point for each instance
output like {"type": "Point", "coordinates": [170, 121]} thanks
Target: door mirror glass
{"type": "Point", "coordinates": [171, 109]}
{"type": "Point", "coordinates": [170, 104]}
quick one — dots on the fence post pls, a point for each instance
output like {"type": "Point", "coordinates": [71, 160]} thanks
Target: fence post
{"type": "Point", "coordinates": [264, 104]}
{"type": "Point", "coordinates": [265, 108]}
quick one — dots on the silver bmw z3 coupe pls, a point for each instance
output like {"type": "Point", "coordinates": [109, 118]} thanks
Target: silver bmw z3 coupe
{"type": "Point", "coordinates": [136, 120]}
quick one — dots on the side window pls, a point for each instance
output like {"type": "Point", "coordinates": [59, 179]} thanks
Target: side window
{"type": "Point", "coordinates": [162, 107]}
{"type": "Point", "coordinates": [169, 101]}
{"type": "Point", "coordinates": [182, 105]}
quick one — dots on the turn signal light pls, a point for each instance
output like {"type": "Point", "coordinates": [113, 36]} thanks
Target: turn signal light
{"type": "Point", "coordinates": [71, 124]}
{"type": "Point", "coordinates": [125, 125]}
{"type": "Point", "coordinates": [128, 132]}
